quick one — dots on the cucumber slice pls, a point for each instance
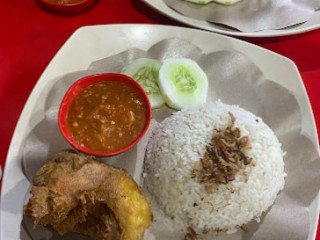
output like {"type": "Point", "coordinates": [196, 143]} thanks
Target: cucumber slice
{"type": "Point", "coordinates": [201, 2]}
{"type": "Point", "coordinates": [183, 83]}
{"type": "Point", "coordinates": [146, 72]}
{"type": "Point", "coordinates": [224, 2]}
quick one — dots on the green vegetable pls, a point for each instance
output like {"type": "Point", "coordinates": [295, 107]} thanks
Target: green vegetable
{"type": "Point", "coordinates": [202, 2]}
{"type": "Point", "coordinates": [224, 2]}
{"type": "Point", "coordinates": [183, 83]}
{"type": "Point", "coordinates": [146, 72]}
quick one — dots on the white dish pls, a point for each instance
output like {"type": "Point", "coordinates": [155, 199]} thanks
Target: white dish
{"type": "Point", "coordinates": [160, 6]}
{"type": "Point", "coordinates": [92, 43]}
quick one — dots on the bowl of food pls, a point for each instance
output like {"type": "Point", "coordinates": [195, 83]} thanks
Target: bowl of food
{"type": "Point", "coordinates": [67, 6]}
{"type": "Point", "coordinates": [104, 114]}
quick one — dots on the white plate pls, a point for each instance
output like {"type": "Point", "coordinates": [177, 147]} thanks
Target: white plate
{"type": "Point", "coordinates": [161, 7]}
{"type": "Point", "coordinates": [89, 44]}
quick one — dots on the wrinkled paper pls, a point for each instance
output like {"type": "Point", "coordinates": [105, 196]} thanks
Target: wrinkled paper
{"type": "Point", "coordinates": [234, 79]}
{"type": "Point", "coordinates": [250, 15]}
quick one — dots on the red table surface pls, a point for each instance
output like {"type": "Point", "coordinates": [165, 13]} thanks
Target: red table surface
{"type": "Point", "coordinates": [30, 37]}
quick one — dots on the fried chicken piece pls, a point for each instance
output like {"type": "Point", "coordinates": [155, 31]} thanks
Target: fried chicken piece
{"type": "Point", "coordinates": [75, 193]}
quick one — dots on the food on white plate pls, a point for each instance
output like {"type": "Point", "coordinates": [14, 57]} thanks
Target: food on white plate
{"type": "Point", "coordinates": [224, 2]}
{"type": "Point", "coordinates": [183, 83]}
{"type": "Point", "coordinates": [107, 116]}
{"type": "Point", "coordinates": [65, 1]}
{"type": "Point", "coordinates": [215, 167]}
{"type": "Point", "coordinates": [76, 193]}
{"type": "Point", "coordinates": [146, 72]}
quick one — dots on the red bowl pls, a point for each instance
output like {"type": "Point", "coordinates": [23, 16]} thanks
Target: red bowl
{"type": "Point", "coordinates": [85, 82]}
{"type": "Point", "coordinates": [68, 7]}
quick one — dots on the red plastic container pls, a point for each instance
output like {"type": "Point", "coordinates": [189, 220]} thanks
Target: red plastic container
{"type": "Point", "coordinates": [85, 82]}
{"type": "Point", "coordinates": [68, 7]}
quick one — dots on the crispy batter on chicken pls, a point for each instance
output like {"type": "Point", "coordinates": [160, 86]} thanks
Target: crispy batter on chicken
{"type": "Point", "coordinates": [75, 193]}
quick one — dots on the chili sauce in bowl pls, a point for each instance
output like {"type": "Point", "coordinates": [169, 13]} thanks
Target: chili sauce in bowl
{"type": "Point", "coordinates": [104, 114]}
{"type": "Point", "coordinates": [67, 6]}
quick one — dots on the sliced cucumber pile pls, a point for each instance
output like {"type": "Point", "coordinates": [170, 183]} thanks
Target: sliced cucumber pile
{"type": "Point", "coordinates": [179, 82]}
{"type": "Point", "coordinates": [183, 83]}
{"type": "Point", "coordinates": [200, 1]}
{"type": "Point", "coordinates": [224, 2]}
{"type": "Point", "coordinates": [227, 2]}
{"type": "Point", "coordinates": [146, 72]}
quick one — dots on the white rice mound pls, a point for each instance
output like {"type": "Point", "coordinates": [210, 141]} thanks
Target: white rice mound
{"type": "Point", "coordinates": [180, 140]}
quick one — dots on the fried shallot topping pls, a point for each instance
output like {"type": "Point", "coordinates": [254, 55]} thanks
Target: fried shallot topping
{"type": "Point", "coordinates": [192, 235]}
{"type": "Point", "coordinates": [224, 157]}
{"type": "Point", "coordinates": [244, 227]}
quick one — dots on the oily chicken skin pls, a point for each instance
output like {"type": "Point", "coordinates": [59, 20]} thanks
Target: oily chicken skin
{"type": "Point", "coordinates": [75, 193]}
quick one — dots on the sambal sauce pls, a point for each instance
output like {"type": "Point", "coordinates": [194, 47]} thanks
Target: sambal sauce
{"type": "Point", "coordinates": [65, 1]}
{"type": "Point", "coordinates": [107, 116]}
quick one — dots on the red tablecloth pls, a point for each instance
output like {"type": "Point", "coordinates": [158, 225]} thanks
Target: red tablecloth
{"type": "Point", "coordinates": [30, 37]}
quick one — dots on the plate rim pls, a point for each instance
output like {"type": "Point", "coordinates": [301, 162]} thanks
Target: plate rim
{"type": "Point", "coordinates": [12, 161]}
{"type": "Point", "coordinates": [206, 25]}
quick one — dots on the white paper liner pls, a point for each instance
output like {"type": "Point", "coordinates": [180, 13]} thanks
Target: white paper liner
{"type": "Point", "coordinates": [250, 15]}
{"type": "Point", "coordinates": [235, 80]}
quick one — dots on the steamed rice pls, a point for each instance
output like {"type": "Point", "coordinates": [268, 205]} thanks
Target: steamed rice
{"type": "Point", "coordinates": [180, 141]}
